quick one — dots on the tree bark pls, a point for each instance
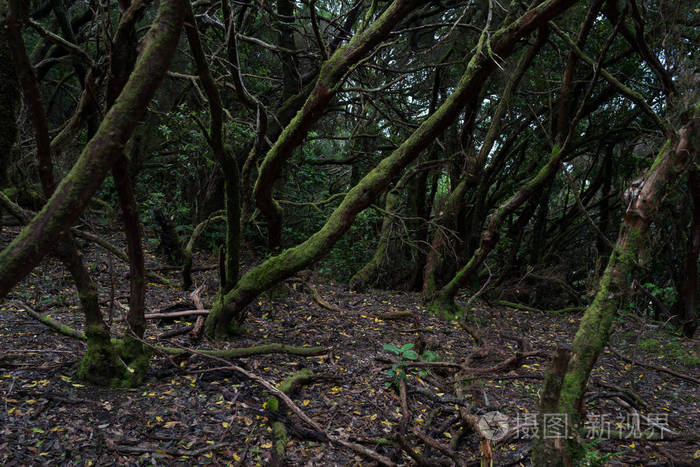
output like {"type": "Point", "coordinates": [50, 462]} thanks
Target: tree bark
{"type": "Point", "coordinates": [227, 162]}
{"type": "Point", "coordinates": [105, 365]}
{"type": "Point", "coordinates": [689, 291]}
{"type": "Point", "coordinates": [594, 329]}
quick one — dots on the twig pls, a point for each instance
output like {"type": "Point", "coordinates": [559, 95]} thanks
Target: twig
{"type": "Point", "coordinates": [656, 367]}
{"type": "Point", "coordinates": [172, 452]}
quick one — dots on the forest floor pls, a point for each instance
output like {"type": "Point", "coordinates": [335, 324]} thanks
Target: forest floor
{"type": "Point", "coordinates": [184, 414]}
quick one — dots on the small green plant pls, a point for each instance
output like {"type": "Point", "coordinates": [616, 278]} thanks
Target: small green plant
{"type": "Point", "coordinates": [593, 457]}
{"type": "Point", "coordinates": [690, 361]}
{"type": "Point", "coordinates": [650, 345]}
{"type": "Point", "coordinates": [398, 371]}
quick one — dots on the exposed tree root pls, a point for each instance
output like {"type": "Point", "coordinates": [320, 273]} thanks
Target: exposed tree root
{"type": "Point", "coordinates": [320, 300]}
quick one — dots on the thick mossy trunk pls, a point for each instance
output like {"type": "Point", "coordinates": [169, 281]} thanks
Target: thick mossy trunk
{"type": "Point", "coordinates": [231, 310]}
{"type": "Point", "coordinates": [594, 329]}
{"type": "Point", "coordinates": [75, 190]}
{"type": "Point", "coordinates": [100, 364]}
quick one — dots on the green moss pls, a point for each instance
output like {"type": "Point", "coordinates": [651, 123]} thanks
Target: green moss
{"type": "Point", "coordinates": [447, 309]}
{"type": "Point", "coordinates": [690, 361]}
{"type": "Point", "coordinates": [650, 345]}
{"type": "Point", "coordinates": [279, 434]}
{"type": "Point", "coordinates": [100, 364]}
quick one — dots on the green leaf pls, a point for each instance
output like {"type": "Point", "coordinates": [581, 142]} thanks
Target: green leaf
{"type": "Point", "coordinates": [406, 347]}
{"type": "Point", "coordinates": [392, 348]}
{"type": "Point", "coordinates": [410, 355]}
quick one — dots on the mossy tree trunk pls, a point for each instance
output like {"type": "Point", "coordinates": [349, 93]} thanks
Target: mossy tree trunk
{"type": "Point", "coordinates": [75, 190]}
{"type": "Point", "coordinates": [367, 275]}
{"type": "Point", "coordinates": [595, 325]}
{"type": "Point", "coordinates": [104, 363]}
{"type": "Point", "coordinates": [329, 79]}
{"type": "Point", "coordinates": [229, 314]}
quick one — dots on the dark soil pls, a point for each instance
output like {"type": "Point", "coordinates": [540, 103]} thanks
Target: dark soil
{"type": "Point", "coordinates": [184, 415]}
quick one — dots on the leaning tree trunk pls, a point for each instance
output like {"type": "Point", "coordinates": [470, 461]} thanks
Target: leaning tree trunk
{"type": "Point", "coordinates": [74, 192]}
{"type": "Point", "coordinates": [594, 329]}
{"type": "Point", "coordinates": [227, 315]}
{"type": "Point", "coordinates": [329, 79]}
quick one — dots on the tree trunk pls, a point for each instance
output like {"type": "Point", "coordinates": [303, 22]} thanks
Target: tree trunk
{"type": "Point", "coordinates": [100, 362]}
{"type": "Point", "coordinates": [332, 73]}
{"type": "Point", "coordinates": [229, 314]}
{"type": "Point", "coordinates": [594, 329]}
{"type": "Point", "coordinates": [75, 190]}
{"type": "Point", "coordinates": [689, 291]}
{"type": "Point", "coordinates": [227, 162]}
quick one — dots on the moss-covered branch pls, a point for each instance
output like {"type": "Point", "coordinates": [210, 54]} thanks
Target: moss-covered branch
{"type": "Point", "coordinates": [279, 432]}
{"type": "Point", "coordinates": [331, 75]}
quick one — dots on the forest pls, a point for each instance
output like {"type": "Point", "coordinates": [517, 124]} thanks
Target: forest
{"type": "Point", "coordinates": [352, 232]}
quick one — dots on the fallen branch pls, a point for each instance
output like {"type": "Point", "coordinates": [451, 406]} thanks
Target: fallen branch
{"type": "Point", "coordinates": [176, 314]}
{"type": "Point", "coordinates": [321, 301]}
{"type": "Point", "coordinates": [656, 367]}
{"type": "Point", "coordinates": [199, 325]}
{"type": "Point", "coordinates": [560, 312]}
{"type": "Point", "coordinates": [391, 315]}
{"type": "Point", "coordinates": [439, 446]}
{"type": "Point", "coordinates": [279, 432]}
{"type": "Point", "coordinates": [249, 351]}
{"type": "Point", "coordinates": [171, 452]}
{"type": "Point", "coordinates": [176, 332]}
{"type": "Point", "coordinates": [383, 460]}
{"type": "Point", "coordinates": [50, 322]}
